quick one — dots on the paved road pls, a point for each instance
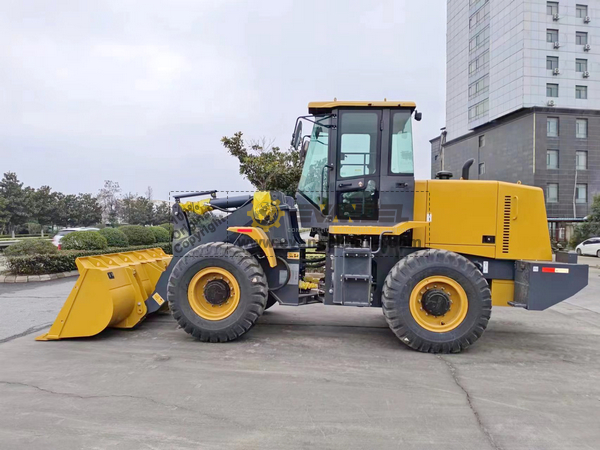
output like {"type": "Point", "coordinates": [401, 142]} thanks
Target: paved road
{"type": "Point", "coordinates": [309, 377]}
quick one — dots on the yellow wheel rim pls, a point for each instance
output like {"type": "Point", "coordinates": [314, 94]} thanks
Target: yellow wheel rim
{"type": "Point", "coordinates": [444, 287]}
{"type": "Point", "coordinates": [227, 285]}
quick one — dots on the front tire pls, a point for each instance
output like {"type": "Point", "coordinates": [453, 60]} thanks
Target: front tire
{"type": "Point", "coordinates": [436, 301]}
{"type": "Point", "coordinates": [217, 292]}
{"type": "Point", "coordinates": [271, 301]}
{"type": "Point", "coordinates": [579, 252]}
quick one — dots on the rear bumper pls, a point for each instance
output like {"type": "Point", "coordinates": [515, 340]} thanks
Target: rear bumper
{"type": "Point", "coordinates": [540, 285]}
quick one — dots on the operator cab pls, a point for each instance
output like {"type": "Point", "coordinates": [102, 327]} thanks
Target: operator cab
{"type": "Point", "coordinates": [357, 163]}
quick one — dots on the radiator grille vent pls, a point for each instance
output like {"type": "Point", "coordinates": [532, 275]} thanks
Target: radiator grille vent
{"type": "Point", "coordinates": [506, 224]}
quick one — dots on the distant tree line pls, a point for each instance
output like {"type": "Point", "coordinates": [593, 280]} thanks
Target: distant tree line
{"type": "Point", "coordinates": [24, 209]}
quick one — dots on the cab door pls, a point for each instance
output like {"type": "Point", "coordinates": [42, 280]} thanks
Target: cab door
{"type": "Point", "coordinates": [358, 162]}
{"type": "Point", "coordinates": [397, 186]}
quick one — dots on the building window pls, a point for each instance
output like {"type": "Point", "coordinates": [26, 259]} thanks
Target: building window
{"type": "Point", "coordinates": [481, 14]}
{"type": "Point", "coordinates": [551, 90]}
{"type": "Point", "coordinates": [482, 141]}
{"type": "Point", "coordinates": [551, 8]}
{"type": "Point", "coordinates": [581, 128]}
{"type": "Point", "coordinates": [581, 160]}
{"type": "Point", "coordinates": [551, 35]}
{"type": "Point", "coordinates": [581, 193]}
{"type": "Point", "coordinates": [581, 65]}
{"type": "Point", "coordinates": [481, 168]}
{"type": "Point", "coordinates": [480, 39]}
{"type": "Point", "coordinates": [479, 86]}
{"type": "Point", "coordinates": [479, 62]}
{"type": "Point", "coordinates": [551, 62]}
{"type": "Point", "coordinates": [581, 11]}
{"type": "Point", "coordinates": [552, 159]}
{"type": "Point", "coordinates": [581, 38]}
{"type": "Point", "coordinates": [552, 193]}
{"type": "Point", "coordinates": [552, 127]}
{"type": "Point", "coordinates": [581, 92]}
{"type": "Point", "coordinates": [479, 109]}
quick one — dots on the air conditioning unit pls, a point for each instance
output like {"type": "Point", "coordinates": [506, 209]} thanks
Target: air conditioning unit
{"type": "Point", "coordinates": [586, 19]}
{"type": "Point", "coordinates": [556, 44]}
{"type": "Point", "coordinates": [556, 71]}
{"type": "Point", "coordinates": [555, 17]}
{"type": "Point", "coordinates": [586, 74]}
{"type": "Point", "coordinates": [550, 103]}
{"type": "Point", "coordinates": [587, 48]}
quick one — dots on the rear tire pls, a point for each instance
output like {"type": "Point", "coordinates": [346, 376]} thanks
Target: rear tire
{"type": "Point", "coordinates": [598, 253]}
{"type": "Point", "coordinates": [452, 283]}
{"type": "Point", "coordinates": [241, 301]}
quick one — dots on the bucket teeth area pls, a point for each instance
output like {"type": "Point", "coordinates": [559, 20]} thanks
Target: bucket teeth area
{"type": "Point", "coordinates": [111, 291]}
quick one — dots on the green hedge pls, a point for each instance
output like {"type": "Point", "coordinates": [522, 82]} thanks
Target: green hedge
{"type": "Point", "coordinates": [167, 226]}
{"type": "Point", "coordinates": [160, 234]}
{"type": "Point", "coordinates": [64, 261]}
{"type": "Point", "coordinates": [83, 240]}
{"type": "Point", "coordinates": [114, 237]}
{"type": "Point", "coordinates": [138, 235]}
{"type": "Point", "coordinates": [31, 247]}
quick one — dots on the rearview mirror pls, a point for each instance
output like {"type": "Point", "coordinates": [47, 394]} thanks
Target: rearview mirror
{"type": "Point", "coordinates": [304, 150]}
{"type": "Point", "coordinates": [297, 135]}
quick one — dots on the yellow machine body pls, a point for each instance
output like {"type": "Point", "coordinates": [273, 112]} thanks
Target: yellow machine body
{"type": "Point", "coordinates": [492, 219]}
{"type": "Point", "coordinates": [110, 292]}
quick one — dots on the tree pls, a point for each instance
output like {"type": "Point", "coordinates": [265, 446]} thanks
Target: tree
{"type": "Point", "coordinates": [136, 210]}
{"type": "Point", "coordinates": [268, 168]}
{"type": "Point", "coordinates": [4, 214]}
{"type": "Point", "coordinates": [108, 197]}
{"type": "Point", "coordinates": [590, 227]}
{"type": "Point", "coordinates": [42, 203]}
{"type": "Point", "coordinates": [88, 210]}
{"type": "Point", "coordinates": [162, 213]}
{"type": "Point", "coordinates": [11, 189]}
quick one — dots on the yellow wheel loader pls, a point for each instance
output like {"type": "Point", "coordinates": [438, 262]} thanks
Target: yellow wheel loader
{"type": "Point", "coordinates": [435, 255]}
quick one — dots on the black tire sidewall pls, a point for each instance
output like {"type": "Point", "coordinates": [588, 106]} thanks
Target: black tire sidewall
{"type": "Point", "coordinates": [191, 265]}
{"type": "Point", "coordinates": [475, 306]}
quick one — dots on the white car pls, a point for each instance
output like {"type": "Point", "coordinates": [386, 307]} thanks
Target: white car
{"type": "Point", "coordinates": [62, 233]}
{"type": "Point", "coordinates": [590, 246]}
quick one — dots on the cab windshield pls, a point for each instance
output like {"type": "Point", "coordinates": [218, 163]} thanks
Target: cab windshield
{"type": "Point", "coordinates": [313, 180]}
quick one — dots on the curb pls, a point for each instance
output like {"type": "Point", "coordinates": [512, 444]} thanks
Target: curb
{"type": "Point", "coordinates": [36, 278]}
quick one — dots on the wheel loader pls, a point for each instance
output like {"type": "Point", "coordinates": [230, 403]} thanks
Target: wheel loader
{"type": "Point", "coordinates": [435, 255]}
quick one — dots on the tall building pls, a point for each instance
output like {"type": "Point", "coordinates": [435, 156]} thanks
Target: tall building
{"type": "Point", "coordinates": [523, 97]}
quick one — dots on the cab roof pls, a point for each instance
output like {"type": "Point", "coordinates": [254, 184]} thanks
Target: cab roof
{"type": "Point", "coordinates": [315, 107]}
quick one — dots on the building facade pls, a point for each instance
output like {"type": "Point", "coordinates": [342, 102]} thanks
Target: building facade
{"type": "Point", "coordinates": [523, 97]}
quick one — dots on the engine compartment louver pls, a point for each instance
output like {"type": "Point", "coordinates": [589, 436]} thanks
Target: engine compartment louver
{"type": "Point", "coordinates": [506, 224]}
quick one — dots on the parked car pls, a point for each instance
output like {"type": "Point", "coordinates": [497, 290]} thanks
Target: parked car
{"type": "Point", "coordinates": [590, 246]}
{"type": "Point", "coordinates": [62, 233]}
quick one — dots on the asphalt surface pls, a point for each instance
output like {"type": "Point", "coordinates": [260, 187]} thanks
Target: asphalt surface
{"type": "Point", "coordinates": [307, 377]}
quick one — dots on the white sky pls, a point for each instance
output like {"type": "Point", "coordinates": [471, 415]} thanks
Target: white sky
{"type": "Point", "coordinates": [141, 92]}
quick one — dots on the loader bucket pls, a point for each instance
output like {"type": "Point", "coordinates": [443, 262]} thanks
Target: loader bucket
{"type": "Point", "coordinates": [110, 292]}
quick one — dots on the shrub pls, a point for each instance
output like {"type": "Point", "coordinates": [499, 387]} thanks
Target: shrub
{"type": "Point", "coordinates": [160, 234]}
{"type": "Point", "coordinates": [114, 237]}
{"type": "Point", "coordinates": [138, 235]}
{"type": "Point", "coordinates": [83, 240]}
{"type": "Point", "coordinates": [64, 261]}
{"type": "Point", "coordinates": [31, 247]}
{"type": "Point", "coordinates": [167, 226]}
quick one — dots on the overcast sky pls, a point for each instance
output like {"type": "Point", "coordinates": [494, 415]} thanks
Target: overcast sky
{"type": "Point", "coordinates": [141, 92]}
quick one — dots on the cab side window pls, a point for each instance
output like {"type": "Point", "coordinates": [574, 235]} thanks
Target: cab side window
{"type": "Point", "coordinates": [358, 144]}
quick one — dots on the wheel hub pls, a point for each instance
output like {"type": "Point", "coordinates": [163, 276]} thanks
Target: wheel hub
{"type": "Point", "coordinates": [217, 292]}
{"type": "Point", "coordinates": [436, 302]}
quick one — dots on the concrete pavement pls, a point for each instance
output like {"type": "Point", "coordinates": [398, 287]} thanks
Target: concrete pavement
{"type": "Point", "coordinates": [307, 377]}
